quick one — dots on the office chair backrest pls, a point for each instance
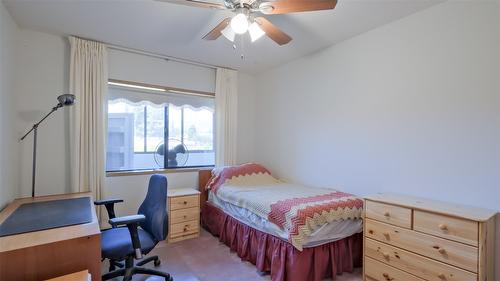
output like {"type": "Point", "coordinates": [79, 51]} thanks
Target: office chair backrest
{"type": "Point", "coordinates": [154, 208]}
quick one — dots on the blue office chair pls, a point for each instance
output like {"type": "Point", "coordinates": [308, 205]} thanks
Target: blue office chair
{"type": "Point", "coordinates": [121, 245]}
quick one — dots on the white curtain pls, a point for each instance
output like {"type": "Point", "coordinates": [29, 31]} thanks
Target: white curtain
{"type": "Point", "coordinates": [88, 82]}
{"type": "Point", "coordinates": [226, 102]}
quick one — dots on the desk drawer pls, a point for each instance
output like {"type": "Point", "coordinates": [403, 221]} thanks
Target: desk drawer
{"type": "Point", "coordinates": [456, 229]}
{"type": "Point", "coordinates": [381, 272]}
{"type": "Point", "coordinates": [443, 250]}
{"type": "Point", "coordinates": [183, 202]}
{"type": "Point", "coordinates": [185, 228]}
{"type": "Point", "coordinates": [182, 215]}
{"type": "Point", "coordinates": [388, 213]}
{"type": "Point", "coordinates": [415, 264]}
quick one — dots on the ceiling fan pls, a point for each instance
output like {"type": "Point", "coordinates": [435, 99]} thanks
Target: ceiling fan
{"type": "Point", "coordinates": [248, 16]}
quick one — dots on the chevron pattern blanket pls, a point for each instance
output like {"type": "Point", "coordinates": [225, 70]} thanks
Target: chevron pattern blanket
{"type": "Point", "coordinates": [298, 209]}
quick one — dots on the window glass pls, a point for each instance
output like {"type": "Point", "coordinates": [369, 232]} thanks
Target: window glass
{"type": "Point", "coordinates": [139, 121]}
{"type": "Point", "coordinates": [198, 126]}
{"type": "Point", "coordinates": [155, 120]}
{"type": "Point", "coordinates": [174, 122]}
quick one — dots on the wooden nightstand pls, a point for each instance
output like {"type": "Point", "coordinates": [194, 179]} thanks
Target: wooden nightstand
{"type": "Point", "coordinates": [183, 214]}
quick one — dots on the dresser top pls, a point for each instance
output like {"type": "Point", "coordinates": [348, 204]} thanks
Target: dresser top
{"type": "Point", "coordinates": [175, 192]}
{"type": "Point", "coordinates": [435, 206]}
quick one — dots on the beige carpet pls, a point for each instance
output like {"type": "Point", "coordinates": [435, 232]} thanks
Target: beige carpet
{"type": "Point", "coordinates": [206, 259]}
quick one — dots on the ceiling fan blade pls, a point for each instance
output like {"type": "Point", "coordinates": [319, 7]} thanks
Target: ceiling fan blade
{"type": "Point", "coordinates": [195, 3]}
{"type": "Point", "coordinates": [294, 6]}
{"type": "Point", "coordinates": [216, 32]}
{"type": "Point", "coordinates": [273, 32]}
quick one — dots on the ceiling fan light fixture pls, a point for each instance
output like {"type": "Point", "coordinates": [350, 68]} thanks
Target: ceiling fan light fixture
{"type": "Point", "coordinates": [255, 31]}
{"type": "Point", "coordinates": [228, 33]}
{"type": "Point", "coordinates": [266, 8]}
{"type": "Point", "coordinates": [239, 23]}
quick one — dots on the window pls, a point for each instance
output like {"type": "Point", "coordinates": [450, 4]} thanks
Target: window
{"type": "Point", "coordinates": [141, 119]}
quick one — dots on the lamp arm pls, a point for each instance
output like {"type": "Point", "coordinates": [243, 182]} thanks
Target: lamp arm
{"type": "Point", "coordinates": [59, 105]}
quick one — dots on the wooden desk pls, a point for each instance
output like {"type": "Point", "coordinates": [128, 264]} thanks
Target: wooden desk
{"type": "Point", "coordinates": [77, 276]}
{"type": "Point", "coordinates": [45, 254]}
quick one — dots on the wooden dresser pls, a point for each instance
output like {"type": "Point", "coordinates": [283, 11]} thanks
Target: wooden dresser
{"type": "Point", "coordinates": [183, 214]}
{"type": "Point", "coordinates": [415, 239]}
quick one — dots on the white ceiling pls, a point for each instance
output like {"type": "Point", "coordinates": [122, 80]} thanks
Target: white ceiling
{"type": "Point", "coordinates": [176, 30]}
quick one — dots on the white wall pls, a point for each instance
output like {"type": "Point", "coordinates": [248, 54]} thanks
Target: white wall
{"type": "Point", "coordinates": [41, 75]}
{"type": "Point", "coordinates": [8, 138]}
{"type": "Point", "coordinates": [157, 71]}
{"type": "Point", "coordinates": [411, 107]}
{"type": "Point", "coordinates": [246, 118]}
{"type": "Point", "coordinates": [133, 189]}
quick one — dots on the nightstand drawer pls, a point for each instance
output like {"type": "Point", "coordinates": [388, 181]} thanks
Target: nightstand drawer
{"type": "Point", "coordinates": [456, 229]}
{"type": "Point", "coordinates": [415, 264]}
{"type": "Point", "coordinates": [450, 252]}
{"type": "Point", "coordinates": [182, 215]}
{"type": "Point", "coordinates": [389, 213]}
{"type": "Point", "coordinates": [184, 202]}
{"type": "Point", "coordinates": [185, 228]}
{"type": "Point", "coordinates": [381, 272]}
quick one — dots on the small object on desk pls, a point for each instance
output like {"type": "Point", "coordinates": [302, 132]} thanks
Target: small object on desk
{"type": "Point", "coordinates": [184, 214]}
{"type": "Point", "coordinates": [83, 275]}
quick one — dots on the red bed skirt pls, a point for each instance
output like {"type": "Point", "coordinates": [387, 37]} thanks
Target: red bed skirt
{"type": "Point", "coordinates": [279, 257]}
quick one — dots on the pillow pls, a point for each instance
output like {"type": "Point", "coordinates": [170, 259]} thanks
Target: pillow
{"type": "Point", "coordinates": [222, 174]}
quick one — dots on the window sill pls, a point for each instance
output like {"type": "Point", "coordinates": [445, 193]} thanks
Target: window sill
{"type": "Point", "coordinates": [157, 171]}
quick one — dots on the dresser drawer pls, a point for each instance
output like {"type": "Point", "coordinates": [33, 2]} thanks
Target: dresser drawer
{"type": "Point", "coordinates": [388, 213]}
{"type": "Point", "coordinates": [381, 272]}
{"type": "Point", "coordinates": [183, 202]}
{"type": "Point", "coordinates": [454, 253]}
{"type": "Point", "coordinates": [456, 229]}
{"type": "Point", "coordinates": [182, 215]}
{"type": "Point", "coordinates": [420, 266]}
{"type": "Point", "coordinates": [185, 228]}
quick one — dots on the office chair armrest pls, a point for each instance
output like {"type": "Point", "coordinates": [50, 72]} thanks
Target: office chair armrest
{"type": "Point", "coordinates": [107, 201]}
{"type": "Point", "coordinates": [127, 220]}
{"type": "Point", "coordinates": [110, 206]}
{"type": "Point", "coordinates": [132, 223]}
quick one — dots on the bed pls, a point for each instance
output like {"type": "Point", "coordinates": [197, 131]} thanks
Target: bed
{"type": "Point", "coordinates": [293, 232]}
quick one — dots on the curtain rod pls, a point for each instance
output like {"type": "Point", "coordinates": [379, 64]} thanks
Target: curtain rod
{"type": "Point", "coordinates": [155, 55]}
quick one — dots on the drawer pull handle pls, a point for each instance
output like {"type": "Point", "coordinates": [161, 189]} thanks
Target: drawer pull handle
{"type": "Point", "coordinates": [386, 255]}
{"type": "Point", "coordinates": [442, 251]}
{"type": "Point", "coordinates": [185, 202]}
{"type": "Point", "coordinates": [387, 236]}
{"type": "Point", "coordinates": [442, 276]}
{"type": "Point", "coordinates": [387, 214]}
{"type": "Point", "coordinates": [443, 227]}
{"type": "Point", "coordinates": [387, 277]}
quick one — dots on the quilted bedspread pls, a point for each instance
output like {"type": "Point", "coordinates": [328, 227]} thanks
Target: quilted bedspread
{"type": "Point", "coordinates": [298, 209]}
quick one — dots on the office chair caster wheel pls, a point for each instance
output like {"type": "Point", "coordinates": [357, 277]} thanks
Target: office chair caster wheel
{"type": "Point", "coordinates": [157, 262]}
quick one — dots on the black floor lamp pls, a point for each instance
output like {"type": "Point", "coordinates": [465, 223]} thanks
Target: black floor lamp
{"type": "Point", "coordinates": [64, 100]}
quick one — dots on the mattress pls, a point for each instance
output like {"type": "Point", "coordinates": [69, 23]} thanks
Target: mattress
{"type": "Point", "coordinates": [329, 232]}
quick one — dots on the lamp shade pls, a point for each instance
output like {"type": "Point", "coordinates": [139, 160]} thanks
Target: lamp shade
{"type": "Point", "coordinates": [228, 33]}
{"type": "Point", "coordinates": [66, 99]}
